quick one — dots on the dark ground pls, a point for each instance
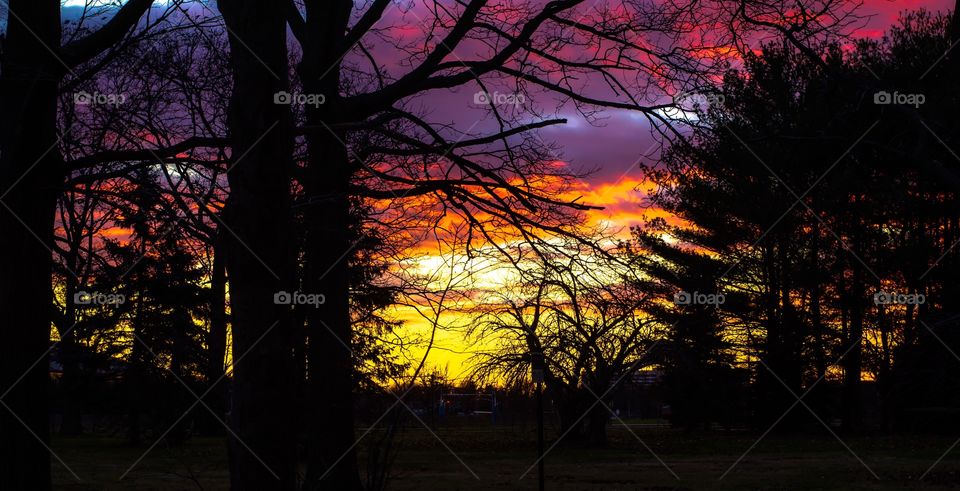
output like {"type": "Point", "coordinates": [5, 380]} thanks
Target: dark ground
{"type": "Point", "coordinates": [500, 455]}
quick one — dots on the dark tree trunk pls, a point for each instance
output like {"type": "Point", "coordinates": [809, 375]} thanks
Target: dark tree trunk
{"type": "Point", "coordinates": [31, 180]}
{"type": "Point", "coordinates": [597, 425]}
{"type": "Point", "coordinates": [816, 290]}
{"type": "Point", "coordinates": [851, 363]}
{"type": "Point", "coordinates": [136, 377]}
{"type": "Point", "coordinates": [260, 254]}
{"type": "Point", "coordinates": [28, 103]}
{"type": "Point", "coordinates": [579, 423]}
{"type": "Point", "coordinates": [330, 363]}
{"type": "Point", "coordinates": [884, 384]}
{"type": "Point", "coordinates": [328, 249]}
{"type": "Point", "coordinates": [217, 337]}
{"type": "Point", "coordinates": [216, 399]}
{"type": "Point", "coordinates": [571, 424]}
{"type": "Point", "coordinates": [71, 382]}
{"type": "Point", "coordinates": [776, 369]}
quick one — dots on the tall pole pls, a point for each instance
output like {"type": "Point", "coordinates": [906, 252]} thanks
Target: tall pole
{"type": "Point", "coordinates": [540, 434]}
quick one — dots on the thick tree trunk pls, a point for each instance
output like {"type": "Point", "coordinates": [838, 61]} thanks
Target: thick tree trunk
{"type": "Point", "coordinates": [260, 258]}
{"type": "Point", "coordinates": [31, 172]}
{"type": "Point", "coordinates": [327, 253]}
{"type": "Point", "coordinates": [330, 376]}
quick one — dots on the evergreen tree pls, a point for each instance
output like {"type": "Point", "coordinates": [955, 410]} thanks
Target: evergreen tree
{"type": "Point", "coordinates": [700, 382]}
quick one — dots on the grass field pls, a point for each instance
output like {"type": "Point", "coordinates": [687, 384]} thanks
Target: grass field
{"type": "Point", "coordinates": [499, 456]}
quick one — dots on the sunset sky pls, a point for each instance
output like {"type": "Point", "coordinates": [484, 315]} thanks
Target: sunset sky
{"type": "Point", "coordinates": [611, 150]}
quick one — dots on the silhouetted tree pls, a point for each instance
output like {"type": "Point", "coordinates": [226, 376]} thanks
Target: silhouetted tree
{"type": "Point", "coordinates": [585, 316]}
{"type": "Point", "coordinates": [700, 381]}
{"type": "Point", "coordinates": [812, 232]}
{"type": "Point", "coordinates": [35, 61]}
